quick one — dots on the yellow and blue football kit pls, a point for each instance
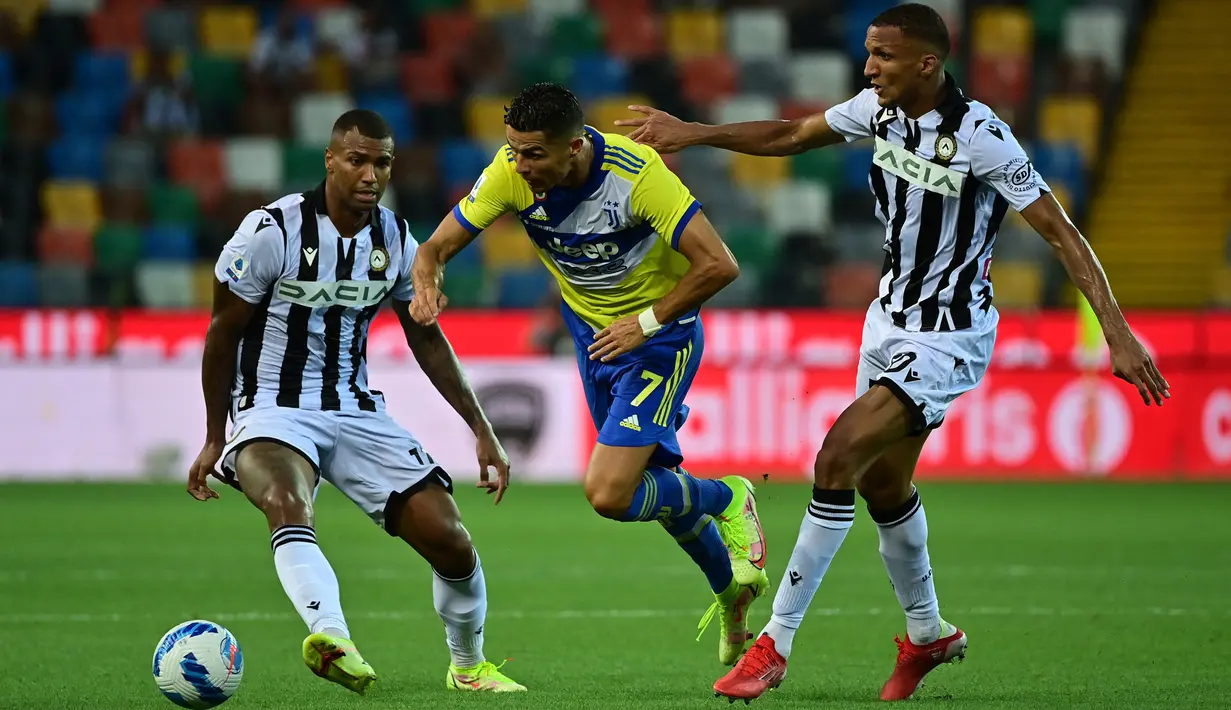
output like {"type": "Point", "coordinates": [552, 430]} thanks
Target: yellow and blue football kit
{"type": "Point", "coordinates": [611, 245]}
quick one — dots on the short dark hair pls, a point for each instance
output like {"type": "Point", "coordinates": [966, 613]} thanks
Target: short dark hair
{"type": "Point", "coordinates": [917, 21]}
{"type": "Point", "coordinates": [545, 107]}
{"type": "Point", "coordinates": [369, 124]}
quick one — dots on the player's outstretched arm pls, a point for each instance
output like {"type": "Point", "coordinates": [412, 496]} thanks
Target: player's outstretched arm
{"type": "Point", "coordinates": [436, 357]}
{"type": "Point", "coordinates": [226, 326]}
{"type": "Point", "coordinates": [667, 134]}
{"type": "Point", "coordinates": [1129, 359]}
{"type": "Point", "coordinates": [711, 268]}
{"type": "Point", "coordinates": [428, 271]}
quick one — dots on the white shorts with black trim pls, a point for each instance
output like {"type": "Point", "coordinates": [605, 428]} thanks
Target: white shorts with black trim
{"type": "Point", "coordinates": [365, 455]}
{"type": "Point", "coordinates": [925, 370]}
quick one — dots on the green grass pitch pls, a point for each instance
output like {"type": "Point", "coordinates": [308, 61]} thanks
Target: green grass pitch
{"type": "Point", "coordinates": [1074, 595]}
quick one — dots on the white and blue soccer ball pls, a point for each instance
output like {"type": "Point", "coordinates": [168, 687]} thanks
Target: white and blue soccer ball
{"type": "Point", "coordinates": [198, 664]}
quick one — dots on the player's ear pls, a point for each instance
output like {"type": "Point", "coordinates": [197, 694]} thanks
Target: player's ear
{"type": "Point", "coordinates": [931, 64]}
{"type": "Point", "coordinates": [576, 145]}
{"type": "Point", "coordinates": [328, 160]}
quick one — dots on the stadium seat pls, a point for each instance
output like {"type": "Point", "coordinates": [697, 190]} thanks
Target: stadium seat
{"type": "Point", "coordinates": [694, 33]}
{"type": "Point", "coordinates": [63, 285]}
{"type": "Point", "coordinates": [173, 204]}
{"type": "Point", "coordinates": [445, 34]}
{"type": "Point", "coordinates": [198, 164]}
{"type": "Point", "coordinates": [821, 76]}
{"type": "Point", "coordinates": [851, 285]}
{"type": "Point", "coordinates": [739, 108]}
{"type": "Point", "coordinates": [168, 242]}
{"type": "Point", "coordinates": [303, 166]}
{"type": "Point", "coordinates": [1222, 286]}
{"type": "Point", "coordinates": [461, 163]}
{"type": "Point", "coordinates": [396, 112]}
{"type": "Point", "coordinates": [203, 281]}
{"type": "Point", "coordinates": [18, 287]}
{"type": "Point", "coordinates": [467, 287]}
{"type": "Point", "coordinates": [1062, 163]}
{"type": "Point", "coordinates": [71, 203]}
{"type": "Point", "coordinates": [757, 33]}
{"type": "Point", "coordinates": [1001, 80]}
{"type": "Point", "coordinates": [855, 18]}
{"type": "Point", "coordinates": [505, 245]}
{"type": "Point", "coordinates": [107, 71]}
{"type": "Point", "coordinates": [763, 77]}
{"type": "Point", "coordinates": [856, 162]}
{"type": "Point", "coordinates": [1016, 284]}
{"type": "Point", "coordinates": [228, 30]}
{"type": "Point", "coordinates": [64, 245]}
{"type": "Point", "coordinates": [1002, 31]}
{"type": "Point", "coordinates": [576, 34]}
{"type": "Point", "coordinates": [428, 79]}
{"type": "Point", "coordinates": [118, 28]}
{"type": "Point", "coordinates": [597, 75]}
{"type": "Point", "coordinates": [164, 284]}
{"type": "Point", "coordinates": [73, 7]}
{"type": "Point", "coordinates": [704, 80]}
{"type": "Point", "coordinates": [92, 113]}
{"type": "Point", "coordinates": [1072, 119]}
{"type": "Point", "coordinates": [124, 204]}
{"type": "Point", "coordinates": [1049, 17]}
{"type": "Point", "coordinates": [253, 163]}
{"type": "Point", "coordinates": [1096, 32]}
{"type": "Point", "coordinates": [754, 247]}
{"type": "Point", "coordinates": [485, 117]}
{"type": "Point", "coordinates": [497, 8]}
{"type": "Point", "coordinates": [821, 166]}
{"type": "Point", "coordinates": [337, 25]}
{"type": "Point", "coordinates": [799, 205]}
{"type": "Point", "coordinates": [313, 115]}
{"type": "Point", "coordinates": [603, 114]}
{"type": "Point", "coordinates": [330, 74]}
{"type": "Point", "coordinates": [139, 61]}
{"type": "Point", "coordinates": [522, 288]}
{"type": "Point", "coordinates": [130, 162]}
{"type": "Point", "coordinates": [757, 173]}
{"type": "Point", "coordinates": [550, 9]}
{"type": "Point", "coordinates": [633, 35]}
{"type": "Point", "coordinates": [7, 82]}
{"type": "Point", "coordinates": [117, 249]}
{"type": "Point", "coordinates": [216, 79]}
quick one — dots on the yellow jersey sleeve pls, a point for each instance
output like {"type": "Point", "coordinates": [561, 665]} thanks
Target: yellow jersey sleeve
{"type": "Point", "coordinates": [497, 191]}
{"type": "Point", "coordinates": [662, 200]}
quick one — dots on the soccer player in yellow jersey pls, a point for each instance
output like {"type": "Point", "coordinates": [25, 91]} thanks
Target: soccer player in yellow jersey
{"type": "Point", "coordinates": [635, 258]}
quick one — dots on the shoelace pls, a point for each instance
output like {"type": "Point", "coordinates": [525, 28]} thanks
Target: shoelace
{"type": "Point", "coordinates": [707, 618]}
{"type": "Point", "coordinates": [757, 661]}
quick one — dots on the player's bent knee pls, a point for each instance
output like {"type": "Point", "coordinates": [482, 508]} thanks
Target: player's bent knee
{"type": "Point", "coordinates": [607, 500]}
{"type": "Point", "coordinates": [452, 552]}
{"type": "Point", "coordinates": [285, 506]}
{"type": "Point", "coordinates": [884, 492]}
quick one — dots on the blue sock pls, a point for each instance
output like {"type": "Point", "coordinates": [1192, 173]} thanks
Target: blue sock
{"type": "Point", "coordinates": [697, 534]}
{"type": "Point", "coordinates": [665, 494]}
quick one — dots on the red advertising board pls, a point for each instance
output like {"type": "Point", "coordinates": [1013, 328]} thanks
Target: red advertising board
{"type": "Point", "coordinates": [772, 382]}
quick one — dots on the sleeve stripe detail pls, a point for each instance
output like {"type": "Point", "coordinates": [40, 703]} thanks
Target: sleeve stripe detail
{"type": "Point", "coordinates": [617, 151]}
{"type": "Point", "coordinates": [684, 220]}
{"type": "Point", "coordinates": [619, 163]}
{"type": "Point", "coordinates": [461, 218]}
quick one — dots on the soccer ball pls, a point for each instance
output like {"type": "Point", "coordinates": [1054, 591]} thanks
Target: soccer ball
{"type": "Point", "coordinates": [198, 664]}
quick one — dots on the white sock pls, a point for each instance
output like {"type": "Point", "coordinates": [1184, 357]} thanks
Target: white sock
{"type": "Point", "coordinates": [308, 579]}
{"type": "Point", "coordinates": [462, 606]}
{"type": "Point", "coordinates": [904, 548]}
{"type": "Point", "coordinates": [830, 515]}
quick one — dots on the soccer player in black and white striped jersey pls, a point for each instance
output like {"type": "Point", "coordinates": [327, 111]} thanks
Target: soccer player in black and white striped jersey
{"type": "Point", "coordinates": [285, 358]}
{"type": "Point", "coordinates": [945, 170]}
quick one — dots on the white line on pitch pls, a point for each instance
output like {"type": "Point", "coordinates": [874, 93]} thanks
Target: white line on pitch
{"type": "Point", "coordinates": [560, 614]}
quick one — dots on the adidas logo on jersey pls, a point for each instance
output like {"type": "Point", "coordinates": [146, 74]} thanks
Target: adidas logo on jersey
{"type": "Point", "coordinates": [540, 214]}
{"type": "Point", "coordinates": [630, 422]}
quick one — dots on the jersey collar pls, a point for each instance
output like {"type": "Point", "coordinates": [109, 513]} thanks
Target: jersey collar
{"type": "Point", "coordinates": [953, 97]}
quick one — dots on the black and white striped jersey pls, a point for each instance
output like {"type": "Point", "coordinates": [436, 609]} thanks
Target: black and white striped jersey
{"type": "Point", "coordinates": [942, 183]}
{"type": "Point", "coordinates": [316, 294]}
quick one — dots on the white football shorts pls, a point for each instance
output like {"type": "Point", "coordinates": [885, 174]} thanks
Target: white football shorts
{"type": "Point", "coordinates": [925, 370]}
{"type": "Point", "coordinates": [366, 455]}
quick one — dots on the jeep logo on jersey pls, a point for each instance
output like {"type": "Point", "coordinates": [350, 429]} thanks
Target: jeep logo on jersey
{"type": "Point", "coordinates": [322, 294]}
{"type": "Point", "coordinates": [594, 250]}
{"type": "Point", "coordinates": [916, 170]}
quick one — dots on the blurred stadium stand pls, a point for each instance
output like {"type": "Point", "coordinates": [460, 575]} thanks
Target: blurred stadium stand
{"type": "Point", "coordinates": [135, 134]}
